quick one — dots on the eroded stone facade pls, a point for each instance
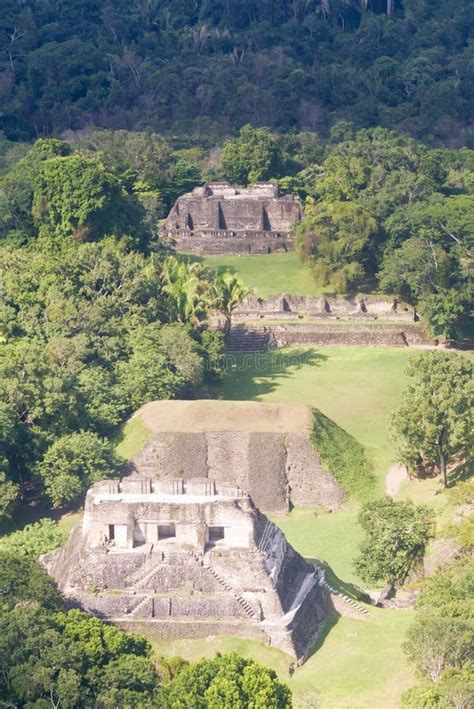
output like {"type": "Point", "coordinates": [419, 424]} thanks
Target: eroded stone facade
{"type": "Point", "coordinates": [189, 558]}
{"type": "Point", "coordinates": [223, 218]}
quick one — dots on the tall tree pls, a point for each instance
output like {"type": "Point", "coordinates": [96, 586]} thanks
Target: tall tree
{"type": "Point", "coordinates": [434, 423]}
{"type": "Point", "coordinates": [396, 534]}
{"type": "Point", "coordinates": [334, 238]}
{"type": "Point", "coordinates": [254, 155]}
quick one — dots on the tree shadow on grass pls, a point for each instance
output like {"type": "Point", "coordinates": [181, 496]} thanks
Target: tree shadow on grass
{"type": "Point", "coordinates": [190, 258]}
{"type": "Point", "coordinates": [250, 375]}
{"type": "Point", "coordinates": [32, 511]}
{"type": "Point", "coordinates": [348, 589]}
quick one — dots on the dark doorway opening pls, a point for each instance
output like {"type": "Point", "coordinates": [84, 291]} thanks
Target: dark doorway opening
{"type": "Point", "coordinates": [166, 531]}
{"type": "Point", "coordinates": [215, 534]}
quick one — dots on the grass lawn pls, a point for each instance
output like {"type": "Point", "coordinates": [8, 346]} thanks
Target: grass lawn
{"type": "Point", "coordinates": [357, 387]}
{"type": "Point", "coordinates": [359, 662]}
{"type": "Point", "coordinates": [330, 537]}
{"type": "Point", "coordinates": [267, 274]}
{"type": "Point", "coordinates": [133, 436]}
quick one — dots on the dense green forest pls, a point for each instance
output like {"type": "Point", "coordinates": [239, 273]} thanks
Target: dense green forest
{"type": "Point", "coordinates": [206, 67]}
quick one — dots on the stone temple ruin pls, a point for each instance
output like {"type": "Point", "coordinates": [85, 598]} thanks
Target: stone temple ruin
{"type": "Point", "coordinates": [190, 558]}
{"type": "Point", "coordinates": [220, 218]}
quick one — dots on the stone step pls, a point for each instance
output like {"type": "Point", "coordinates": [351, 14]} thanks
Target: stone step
{"type": "Point", "coordinates": [346, 599]}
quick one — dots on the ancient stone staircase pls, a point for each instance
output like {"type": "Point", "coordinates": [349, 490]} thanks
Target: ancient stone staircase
{"type": "Point", "coordinates": [244, 338]}
{"type": "Point", "coordinates": [142, 603]}
{"type": "Point", "coordinates": [246, 607]}
{"type": "Point", "coordinates": [142, 581]}
{"type": "Point", "coordinates": [350, 601]}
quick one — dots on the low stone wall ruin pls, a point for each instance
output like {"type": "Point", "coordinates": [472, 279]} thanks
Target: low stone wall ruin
{"type": "Point", "coordinates": [361, 307]}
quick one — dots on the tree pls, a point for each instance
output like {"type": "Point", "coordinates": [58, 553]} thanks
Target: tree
{"type": "Point", "coordinates": [68, 659]}
{"type": "Point", "coordinates": [22, 580]}
{"type": "Point", "coordinates": [334, 237]}
{"type": "Point", "coordinates": [433, 424]}
{"type": "Point", "coordinates": [8, 493]}
{"type": "Point", "coordinates": [415, 269]}
{"type": "Point", "coordinates": [454, 688]}
{"type": "Point", "coordinates": [436, 642]}
{"type": "Point", "coordinates": [17, 188]}
{"type": "Point", "coordinates": [76, 197]}
{"type": "Point", "coordinates": [228, 291]}
{"type": "Point", "coordinates": [396, 534]}
{"type": "Point", "coordinates": [254, 155]}
{"type": "Point", "coordinates": [73, 463]}
{"type": "Point", "coordinates": [448, 312]}
{"type": "Point", "coordinates": [187, 290]}
{"type": "Point", "coordinates": [227, 682]}
{"type": "Point", "coordinates": [164, 363]}
{"type": "Point", "coordinates": [33, 540]}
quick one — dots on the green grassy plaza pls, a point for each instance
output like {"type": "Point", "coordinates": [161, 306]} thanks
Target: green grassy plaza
{"type": "Point", "coordinates": [267, 274]}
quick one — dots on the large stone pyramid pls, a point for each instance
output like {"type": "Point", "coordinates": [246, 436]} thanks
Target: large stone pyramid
{"type": "Point", "coordinates": [190, 558]}
{"type": "Point", "coordinates": [265, 448]}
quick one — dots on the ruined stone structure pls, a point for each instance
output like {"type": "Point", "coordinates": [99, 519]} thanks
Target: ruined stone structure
{"type": "Point", "coordinates": [325, 320]}
{"type": "Point", "coordinates": [264, 448]}
{"type": "Point", "coordinates": [254, 337]}
{"type": "Point", "coordinates": [362, 307]}
{"type": "Point", "coordinates": [220, 218]}
{"type": "Point", "coordinates": [190, 558]}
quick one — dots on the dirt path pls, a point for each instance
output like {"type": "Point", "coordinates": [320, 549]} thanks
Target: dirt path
{"type": "Point", "coordinates": [394, 478]}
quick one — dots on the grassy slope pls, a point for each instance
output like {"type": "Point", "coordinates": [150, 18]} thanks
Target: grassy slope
{"type": "Point", "coordinates": [268, 274]}
{"type": "Point", "coordinates": [133, 437]}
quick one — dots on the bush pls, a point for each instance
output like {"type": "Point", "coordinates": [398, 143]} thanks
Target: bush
{"type": "Point", "coordinates": [34, 539]}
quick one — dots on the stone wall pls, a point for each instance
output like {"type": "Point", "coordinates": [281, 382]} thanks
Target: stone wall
{"type": "Point", "coordinates": [245, 243]}
{"type": "Point", "coordinates": [193, 629]}
{"type": "Point", "coordinates": [257, 338]}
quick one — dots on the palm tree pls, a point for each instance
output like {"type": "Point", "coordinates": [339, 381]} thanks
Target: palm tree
{"type": "Point", "coordinates": [185, 288]}
{"type": "Point", "coordinates": [228, 291]}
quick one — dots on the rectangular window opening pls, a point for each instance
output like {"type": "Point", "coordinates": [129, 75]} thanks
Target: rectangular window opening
{"type": "Point", "coordinates": [111, 532]}
{"type": "Point", "coordinates": [166, 531]}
